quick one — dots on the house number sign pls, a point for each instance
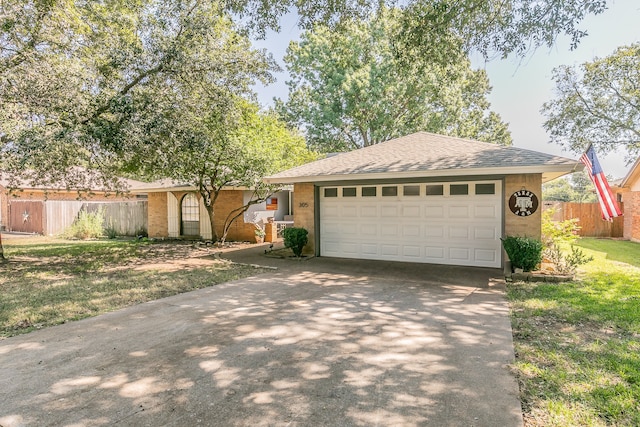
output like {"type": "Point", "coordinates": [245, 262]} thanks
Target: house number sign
{"type": "Point", "coordinates": [523, 203]}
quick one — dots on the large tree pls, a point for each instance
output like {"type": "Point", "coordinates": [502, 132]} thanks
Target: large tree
{"type": "Point", "coordinates": [598, 103]}
{"type": "Point", "coordinates": [576, 187]}
{"type": "Point", "coordinates": [68, 68]}
{"type": "Point", "coordinates": [351, 89]}
{"type": "Point", "coordinates": [74, 76]}
{"type": "Point", "coordinates": [212, 141]}
{"type": "Point", "coordinates": [492, 27]}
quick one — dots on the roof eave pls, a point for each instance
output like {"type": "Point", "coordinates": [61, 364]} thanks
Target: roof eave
{"type": "Point", "coordinates": [635, 170]}
{"type": "Point", "coordinates": [181, 188]}
{"type": "Point", "coordinates": [548, 172]}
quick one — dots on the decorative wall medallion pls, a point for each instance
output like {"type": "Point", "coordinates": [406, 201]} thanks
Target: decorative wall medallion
{"type": "Point", "coordinates": [523, 203]}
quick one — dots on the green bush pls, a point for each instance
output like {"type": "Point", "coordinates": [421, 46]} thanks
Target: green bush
{"type": "Point", "coordinates": [295, 238]}
{"type": "Point", "coordinates": [141, 233]}
{"type": "Point", "coordinates": [88, 225]}
{"type": "Point", "coordinates": [111, 232]}
{"type": "Point", "coordinates": [524, 252]}
{"type": "Point", "coordinates": [557, 233]}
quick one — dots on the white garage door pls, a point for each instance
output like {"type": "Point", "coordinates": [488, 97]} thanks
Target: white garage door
{"type": "Point", "coordinates": [455, 223]}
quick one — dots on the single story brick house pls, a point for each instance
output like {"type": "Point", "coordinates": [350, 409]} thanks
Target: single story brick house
{"type": "Point", "coordinates": [628, 192]}
{"type": "Point", "coordinates": [422, 198]}
{"type": "Point", "coordinates": [176, 210]}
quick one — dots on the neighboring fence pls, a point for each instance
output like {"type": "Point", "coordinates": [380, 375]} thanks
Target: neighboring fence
{"type": "Point", "coordinates": [590, 216]}
{"type": "Point", "coordinates": [127, 218]}
{"type": "Point", "coordinates": [54, 216]}
{"type": "Point", "coordinates": [26, 216]}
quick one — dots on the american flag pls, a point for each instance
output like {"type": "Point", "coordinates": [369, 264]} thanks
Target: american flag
{"type": "Point", "coordinates": [608, 204]}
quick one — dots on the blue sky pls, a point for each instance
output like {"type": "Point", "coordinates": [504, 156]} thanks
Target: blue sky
{"type": "Point", "coordinates": [520, 86]}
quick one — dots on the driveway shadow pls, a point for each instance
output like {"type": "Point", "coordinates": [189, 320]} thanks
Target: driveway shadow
{"type": "Point", "coordinates": [322, 343]}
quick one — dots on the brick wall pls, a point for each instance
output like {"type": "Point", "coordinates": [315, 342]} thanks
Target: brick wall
{"type": "Point", "coordinates": [226, 202]}
{"type": "Point", "coordinates": [304, 212]}
{"type": "Point", "coordinates": [515, 225]}
{"type": "Point", "coordinates": [632, 216]}
{"type": "Point", "coordinates": [157, 225]}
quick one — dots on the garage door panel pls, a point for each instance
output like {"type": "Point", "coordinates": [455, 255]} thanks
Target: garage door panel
{"type": "Point", "coordinates": [411, 231]}
{"type": "Point", "coordinates": [485, 211]}
{"type": "Point", "coordinates": [389, 250]}
{"type": "Point", "coordinates": [458, 232]}
{"type": "Point", "coordinates": [434, 211]}
{"type": "Point", "coordinates": [485, 233]}
{"type": "Point", "coordinates": [369, 230]}
{"type": "Point", "coordinates": [331, 228]}
{"type": "Point", "coordinates": [349, 230]}
{"type": "Point", "coordinates": [369, 249]}
{"type": "Point", "coordinates": [349, 212]}
{"type": "Point", "coordinates": [460, 254]}
{"type": "Point", "coordinates": [434, 252]}
{"type": "Point", "coordinates": [411, 251]}
{"type": "Point", "coordinates": [486, 255]}
{"type": "Point", "coordinates": [434, 231]}
{"type": "Point", "coordinates": [331, 211]}
{"type": "Point", "coordinates": [330, 247]}
{"type": "Point", "coordinates": [457, 211]}
{"type": "Point", "coordinates": [369, 211]}
{"type": "Point", "coordinates": [443, 229]}
{"type": "Point", "coordinates": [387, 211]}
{"type": "Point", "coordinates": [410, 211]}
{"type": "Point", "coordinates": [389, 231]}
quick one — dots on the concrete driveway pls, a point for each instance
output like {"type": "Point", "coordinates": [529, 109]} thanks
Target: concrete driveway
{"type": "Point", "coordinates": [322, 342]}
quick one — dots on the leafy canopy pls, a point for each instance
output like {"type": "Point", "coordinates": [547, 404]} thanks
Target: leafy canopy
{"type": "Point", "coordinates": [74, 75]}
{"type": "Point", "coordinates": [577, 187]}
{"type": "Point", "coordinates": [598, 103]}
{"type": "Point", "coordinates": [351, 89]}
{"type": "Point", "coordinates": [82, 81]}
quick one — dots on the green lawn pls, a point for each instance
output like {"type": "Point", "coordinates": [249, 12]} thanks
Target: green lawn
{"type": "Point", "coordinates": [578, 343]}
{"type": "Point", "coordinates": [51, 281]}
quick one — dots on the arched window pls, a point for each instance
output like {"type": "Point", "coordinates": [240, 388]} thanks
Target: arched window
{"type": "Point", "coordinates": [190, 215]}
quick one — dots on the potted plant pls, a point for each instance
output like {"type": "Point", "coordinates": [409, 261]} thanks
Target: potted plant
{"type": "Point", "coordinates": [259, 233]}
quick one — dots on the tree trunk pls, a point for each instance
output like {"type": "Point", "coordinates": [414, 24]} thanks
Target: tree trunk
{"type": "Point", "coordinates": [2, 258]}
{"type": "Point", "coordinates": [211, 212]}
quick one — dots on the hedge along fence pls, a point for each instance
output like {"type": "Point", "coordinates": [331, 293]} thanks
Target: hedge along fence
{"type": "Point", "coordinates": [126, 218]}
{"type": "Point", "coordinates": [589, 216]}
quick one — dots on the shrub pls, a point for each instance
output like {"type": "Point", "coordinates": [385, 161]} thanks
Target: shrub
{"type": "Point", "coordinates": [524, 252]}
{"type": "Point", "coordinates": [556, 233]}
{"type": "Point", "coordinates": [111, 232]}
{"type": "Point", "coordinates": [141, 233]}
{"type": "Point", "coordinates": [295, 238]}
{"type": "Point", "coordinates": [88, 225]}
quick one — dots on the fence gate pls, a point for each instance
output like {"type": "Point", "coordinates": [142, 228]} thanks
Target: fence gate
{"type": "Point", "coordinates": [26, 216]}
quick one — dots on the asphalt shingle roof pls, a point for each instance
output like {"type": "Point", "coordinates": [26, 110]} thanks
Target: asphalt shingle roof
{"type": "Point", "coordinates": [423, 151]}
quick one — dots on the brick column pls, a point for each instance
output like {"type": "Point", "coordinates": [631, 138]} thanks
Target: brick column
{"type": "Point", "coordinates": [514, 225]}
{"type": "Point", "coordinates": [271, 231]}
{"type": "Point", "coordinates": [304, 212]}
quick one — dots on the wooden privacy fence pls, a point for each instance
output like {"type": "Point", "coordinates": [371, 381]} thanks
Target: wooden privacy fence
{"type": "Point", "coordinates": [126, 218]}
{"type": "Point", "coordinates": [589, 216]}
{"type": "Point", "coordinates": [52, 217]}
{"type": "Point", "coordinates": [26, 216]}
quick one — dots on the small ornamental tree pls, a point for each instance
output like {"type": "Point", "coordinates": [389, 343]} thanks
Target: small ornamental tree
{"type": "Point", "coordinates": [295, 238]}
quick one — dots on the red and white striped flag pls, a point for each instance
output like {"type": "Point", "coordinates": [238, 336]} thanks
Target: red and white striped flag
{"type": "Point", "coordinates": [608, 204]}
